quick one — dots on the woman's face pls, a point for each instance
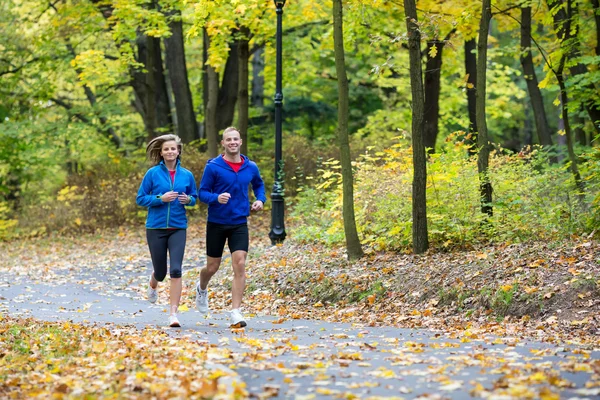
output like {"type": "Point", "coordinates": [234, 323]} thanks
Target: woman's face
{"type": "Point", "coordinates": [169, 150]}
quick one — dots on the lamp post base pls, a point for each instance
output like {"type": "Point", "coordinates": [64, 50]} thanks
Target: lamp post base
{"type": "Point", "coordinates": [277, 233]}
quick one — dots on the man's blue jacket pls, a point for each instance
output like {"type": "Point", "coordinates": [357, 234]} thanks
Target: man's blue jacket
{"type": "Point", "coordinates": [219, 178]}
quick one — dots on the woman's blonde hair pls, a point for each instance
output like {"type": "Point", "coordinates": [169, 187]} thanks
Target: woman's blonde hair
{"type": "Point", "coordinates": [154, 147]}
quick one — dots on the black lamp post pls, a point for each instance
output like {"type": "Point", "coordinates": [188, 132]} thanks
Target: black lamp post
{"type": "Point", "coordinates": [277, 233]}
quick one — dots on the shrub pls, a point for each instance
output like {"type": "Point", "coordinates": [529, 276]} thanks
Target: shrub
{"type": "Point", "coordinates": [532, 199]}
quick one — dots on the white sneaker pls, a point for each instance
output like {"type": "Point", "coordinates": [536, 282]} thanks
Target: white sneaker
{"type": "Point", "coordinates": [173, 321]}
{"type": "Point", "coordinates": [152, 294]}
{"type": "Point", "coordinates": [201, 299]}
{"type": "Point", "coordinates": [237, 319]}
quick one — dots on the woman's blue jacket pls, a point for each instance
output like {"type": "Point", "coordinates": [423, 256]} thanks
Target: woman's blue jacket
{"type": "Point", "coordinates": [157, 182]}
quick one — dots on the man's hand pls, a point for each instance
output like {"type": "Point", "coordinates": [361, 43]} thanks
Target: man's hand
{"type": "Point", "coordinates": [257, 206]}
{"type": "Point", "coordinates": [224, 198]}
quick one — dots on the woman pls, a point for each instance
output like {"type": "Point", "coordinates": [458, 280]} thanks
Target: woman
{"type": "Point", "coordinates": [166, 189]}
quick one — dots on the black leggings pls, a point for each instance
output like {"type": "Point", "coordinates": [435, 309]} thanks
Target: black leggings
{"type": "Point", "coordinates": [161, 240]}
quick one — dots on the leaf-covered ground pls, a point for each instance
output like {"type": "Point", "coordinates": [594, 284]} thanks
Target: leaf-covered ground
{"type": "Point", "coordinates": [545, 291]}
{"type": "Point", "coordinates": [550, 291]}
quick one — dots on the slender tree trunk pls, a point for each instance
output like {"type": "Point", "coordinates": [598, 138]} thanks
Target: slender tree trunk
{"type": "Point", "coordinates": [485, 186]}
{"type": "Point", "coordinates": [537, 101]}
{"type": "Point", "coordinates": [471, 73]}
{"type": "Point", "coordinates": [258, 79]}
{"type": "Point", "coordinates": [568, 134]}
{"type": "Point", "coordinates": [89, 94]}
{"type": "Point", "coordinates": [564, 13]}
{"type": "Point", "coordinates": [187, 126]}
{"type": "Point", "coordinates": [212, 131]}
{"type": "Point", "coordinates": [150, 100]}
{"type": "Point", "coordinates": [205, 46]}
{"type": "Point", "coordinates": [353, 245]}
{"type": "Point", "coordinates": [244, 58]}
{"type": "Point", "coordinates": [596, 5]}
{"type": "Point", "coordinates": [419, 192]}
{"type": "Point", "coordinates": [433, 72]}
{"type": "Point", "coordinates": [228, 90]}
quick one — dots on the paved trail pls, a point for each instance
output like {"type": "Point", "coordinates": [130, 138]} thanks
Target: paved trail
{"type": "Point", "coordinates": [311, 359]}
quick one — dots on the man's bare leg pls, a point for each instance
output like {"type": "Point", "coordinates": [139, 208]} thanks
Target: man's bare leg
{"type": "Point", "coordinates": [212, 266]}
{"type": "Point", "coordinates": [238, 261]}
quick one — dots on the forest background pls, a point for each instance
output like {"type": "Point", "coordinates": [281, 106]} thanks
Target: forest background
{"type": "Point", "coordinates": [84, 84]}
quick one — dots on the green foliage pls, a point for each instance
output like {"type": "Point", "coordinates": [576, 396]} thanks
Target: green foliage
{"type": "Point", "coordinates": [531, 200]}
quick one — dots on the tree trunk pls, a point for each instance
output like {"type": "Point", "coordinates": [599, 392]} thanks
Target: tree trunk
{"type": "Point", "coordinates": [142, 82]}
{"type": "Point", "coordinates": [108, 130]}
{"type": "Point", "coordinates": [568, 134]}
{"type": "Point", "coordinates": [537, 101]}
{"type": "Point", "coordinates": [419, 192]}
{"type": "Point", "coordinates": [471, 72]}
{"type": "Point", "coordinates": [258, 79]}
{"type": "Point", "coordinates": [353, 245]}
{"type": "Point", "coordinates": [485, 186]}
{"type": "Point", "coordinates": [229, 89]}
{"type": "Point", "coordinates": [563, 13]}
{"type": "Point", "coordinates": [433, 72]}
{"type": "Point", "coordinates": [187, 127]}
{"type": "Point", "coordinates": [596, 4]}
{"type": "Point", "coordinates": [244, 58]}
{"type": "Point", "coordinates": [212, 131]}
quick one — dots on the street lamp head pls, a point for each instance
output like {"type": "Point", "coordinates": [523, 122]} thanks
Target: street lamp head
{"type": "Point", "coordinates": [279, 3]}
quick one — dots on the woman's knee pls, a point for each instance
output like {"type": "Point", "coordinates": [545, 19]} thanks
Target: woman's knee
{"type": "Point", "coordinates": [160, 275]}
{"type": "Point", "coordinates": [175, 272]}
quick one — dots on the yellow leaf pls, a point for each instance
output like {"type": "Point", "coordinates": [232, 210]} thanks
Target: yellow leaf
{"type": "Point", "coordinates": [433, 51]}
{"type": "Point", "coordinates": [183, 307]}
{"type": "Point", "coordinates": [78, 221]}
{"type": "Point", "coordinates": [318, 304]}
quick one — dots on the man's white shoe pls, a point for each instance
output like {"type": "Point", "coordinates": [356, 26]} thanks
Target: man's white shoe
{"type": "Point", "coordinates": [152, 294]}
{"type": "Point", "coordinates": [237, 319]}
{"type": "Point", "coordinates": [173, 321]}
{"type": "Point", "coordinates": [201, 299]}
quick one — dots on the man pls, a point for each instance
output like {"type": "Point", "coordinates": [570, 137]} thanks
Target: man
{"type": "Point", "coordinates": [224, 187]}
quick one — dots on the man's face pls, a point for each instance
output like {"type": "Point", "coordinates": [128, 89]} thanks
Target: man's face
{"type": "Point", "coordinates": [231, 142]}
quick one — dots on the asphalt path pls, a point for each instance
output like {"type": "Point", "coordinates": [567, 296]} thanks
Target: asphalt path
{"type": "Point", "coordinates": [292, 358]}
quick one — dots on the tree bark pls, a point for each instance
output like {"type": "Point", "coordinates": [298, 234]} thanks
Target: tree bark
{"type": "Point", "coordinates": [244, 58]}
{"type": "Point", "coordinates": [187, 127]}
{"type": "Point", "coordinates": [433, 72]}
{"type": "Point", "coordinates": [353, 245]}
{"type": "Point", "coordinates": [485, 186]}
{"type": "Point", "coordinates": [419, 188]}
{"type": "Point", "coordinates": [258, 79]}
{"type": "Point", "coordinates": [535, 95]}
{"type": "Point", "coordinates": [212, 131]}
{"type": "Point", "coordinates": [471, 73]}
{"type": "Point", "coordinates": [229, 89]}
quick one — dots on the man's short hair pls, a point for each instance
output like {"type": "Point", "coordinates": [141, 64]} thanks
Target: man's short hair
{"type": "Point", "coordinates": [231, 129]}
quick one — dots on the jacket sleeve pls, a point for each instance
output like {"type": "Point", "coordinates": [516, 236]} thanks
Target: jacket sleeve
{"type": "Point", "coordinates": [193, 191]}
{"type": "Point", "coordinates": [258, 186]}
{"type": "Point", "coordinates": [205, 193]}
{"type": "Point", "coordinates": [145, 197]}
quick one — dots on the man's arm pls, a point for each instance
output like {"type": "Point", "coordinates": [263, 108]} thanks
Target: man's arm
{"type": "Point", "coordinates": [258, 187]}
{"type": "Point", "coordinates": [205, 193]}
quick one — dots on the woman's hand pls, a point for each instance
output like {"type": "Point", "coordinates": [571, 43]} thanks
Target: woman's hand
{"type": "Point", "coordinates": [169, 197]}
{"type": "Point", "coordinates": [184, 198]}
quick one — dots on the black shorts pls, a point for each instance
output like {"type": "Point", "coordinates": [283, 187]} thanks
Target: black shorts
{"type": "Point", "coordinates": [216, 234]}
